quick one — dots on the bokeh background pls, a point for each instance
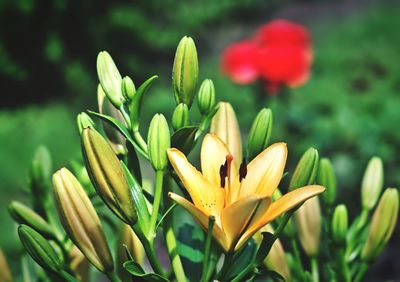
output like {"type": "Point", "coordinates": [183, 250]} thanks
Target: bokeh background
{"type": "Point", "coordinates": [349, 109]}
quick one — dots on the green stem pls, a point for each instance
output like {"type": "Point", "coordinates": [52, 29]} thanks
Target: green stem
{"type": "Point", "coordinates": [344, 267]}
{"type": "Point", "coordinates": [207, 248]}
{"type": "Point", "coordinates": [140, 141]}
{"type": "Point", "coordinates": [113, 277]}
{"type": "Point", "coordinates": [171, 244]}
{"type": "Point", "coordinates": [297, 256]}
{"type": "Point", "coordinates": [212, 266]}
{"type": "Point", "coordinates": [125, 116]}
{"type": "Point", "coordinates": [156, 204]}
{"type": "Point", "coordinates": [361, 272]}
{"type": "Point", "coordinates": [314, 269]}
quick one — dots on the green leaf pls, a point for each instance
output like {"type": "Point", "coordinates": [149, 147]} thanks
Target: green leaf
{"type": "Point", "coordinates": [121, 128]}
{"type": "Point", "coordinates": [242, 259]}
{"type": "Point", "coordinates": [137, 271]}
{"type": "Point", "coordinates": [135, 105]}
{"type": "Point", "coordinates": [265, 246]}
{"type": "Point", "coordinates": [139, 200]}
{"type": "Point", "coordinates": [183, 139]}
{"type": "Point", "coordinates": [133, 163]}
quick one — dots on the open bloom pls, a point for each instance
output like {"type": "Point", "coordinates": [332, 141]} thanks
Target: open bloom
{"type": "Point", "coordinates": [238, 197]}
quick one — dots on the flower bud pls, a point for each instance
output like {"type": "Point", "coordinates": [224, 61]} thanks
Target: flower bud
{"type": "Point", "coordinates": [326, 177]}
{"type": "Point", "coordinates": [158, 141]}
{"type": "Point", "coordinates": [308, 224]}
{"type": "Point", "coordinates": [117, 140]}
{"type": "Point", "coordinates": [225, 125]}
{"type": "Point", "coordinates": [110, 78]}
{"type": "Point", "coordinates": [382, 225]}
{"type": "Point", "coordinates": [340, 224]}
{"type": "Point", "coordinates": [306, 170]}
{"type": "Point", "coordinates": [79, 264]}
{"type": "Point", "coordinates": [276, 258]}
{"type": "Point", "coordinates": [25, 215]}
{"type": "Point", "coordinates": [260, 133]}
{"type": "Point", "coordinates": [180, 117]}
{"type": "Point", "coordinates": [83, 120]}
{"type": "Point", "coordinates": [39, 249]}
{"type": "Point", "coordinates": [185, 71]}
{"type": "Point", "coordinates": [206, 98]}
{"type": "Point", "coordinates": [107, 175]}
{"type": "Point", "coordinates": [129, 240]}
{"type": "Point", "coordinates": [128, 88]}
{"type": "Point", "coordinates": [80, 220]}
{"type": "Point", "coordinates": [5, 269]}
{"type": "Point", "coordinates": [372, 183]}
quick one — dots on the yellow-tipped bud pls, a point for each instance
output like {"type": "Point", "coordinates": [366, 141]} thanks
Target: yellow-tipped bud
{"type": "Point", "coordinates": [39, 249]}
{"type": "Point", "coordinates": [372, 183]}
{"type": "Point", "coordinates": [180, 117]}
{"type": "Point", "coordinates": [128, 88]}
{"type": "Point", "coordinates": [25, 215]}
{"type": "Point", "coordinates": [326, 177]}
{"type": "Point", "coordinates": [276, 258]}
{"type": "Point", "coordinates": [107, 175]}
{"type": "Point", "coordinates": [5, 269]}
{"type": "Point", "coordinates": [79, 264]}
{"type": "Point", "coordinates": [225, 125]}
{"type": "Point", "coordinates": [110, 78]}
{"type": "Point", "coordinates": [382, 225]}
{"type": "Point", "coordinates": [206, 98]}
{"type": "Point", "coordinates": [158, 141]}
{"type": "Point", "coordinates": [260, 133]}
{"type": "Point", "coordinates": [308, 223]}
{"type": "Point", "coordinates": [80, 220]}
{"type": "Point", "coordinates": [306, 170]}
{"type": "Point", "coordinates": [129, 240]}
{"type": "Point", "coordinates": [83, 120]}
{"type": "Point", "coordinates": [340, 224]}
{"type": "Point", "coordinates": [185, 71]}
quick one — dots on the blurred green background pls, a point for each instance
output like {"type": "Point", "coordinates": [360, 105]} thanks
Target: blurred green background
{"type": "Point", "coordinates": [349, 109]}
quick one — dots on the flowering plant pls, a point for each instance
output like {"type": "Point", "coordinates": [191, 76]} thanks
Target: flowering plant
{"type": "Point", "coordinates": [235, 198]}
{"type": "Point", "coordinates": [280, 54]}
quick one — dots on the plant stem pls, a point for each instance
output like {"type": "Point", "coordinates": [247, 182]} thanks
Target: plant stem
{"type": "Point", "coordinates": [296, 253]}
{"type": "Point", "coordinates": [140, 141]}
{"type": "Point", "coordinates": [361, 272]}
{"type": "Point", "coordinates": [344, 268]}
{"type": "Point", "coordinates": [170, 241]}
{"type": "Point", "coordinates": [207, 248]}
{"type": "Point", "coordinates": [314, 269]}
{"type": "Point", "coordinates": [113, 277]}
{"type": "Point", "coordinates": [156, 204]}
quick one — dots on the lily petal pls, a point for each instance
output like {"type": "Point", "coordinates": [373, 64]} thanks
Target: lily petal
{"type": "Point", "coordinates": [237, 216]}
{"type": "Point", "coordinates": [265, 171]}
{"type": "Point", "coordinates": [202, 219]}
{"type": "Point", "coordinates": [213, 155]}
{"type": "Point", "coordinates": [262, 209]}
{"type": "Point", "coordinates": [204, 195]}
{"type": "Point", "coordinates": [282, 205]}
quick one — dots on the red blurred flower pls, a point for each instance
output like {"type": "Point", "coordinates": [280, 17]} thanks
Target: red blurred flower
{"type": "Point", "coordinates": [280, 54]}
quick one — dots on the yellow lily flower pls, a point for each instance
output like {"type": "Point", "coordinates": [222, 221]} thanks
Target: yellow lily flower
{"type": "Point", "coordinates": [238, 197]}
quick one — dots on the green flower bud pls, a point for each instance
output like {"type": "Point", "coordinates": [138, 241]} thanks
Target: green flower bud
{"type": "Point", "coordinates": [83, 120]}
{"type": "Point", "coordinates": [180, 117]}
{"type": "Point", "coordinates": [39, 249]}
{"type": "Point", "coordinates": [107, 175]}
{"type": "Point", "coordinates": [25, 215]}
{"type": "Point", "coordinates": [158, 141]}
{"type": "Point", "coordinates": [185, 71]}
{"type": "Point", "coordinates": [308, 223]}
{"type": "Point", "coordinates": [128, 88]}
{"type": "Point", "coordinates": [306, 170]}
{"type": "Point", "coordinates": [372, 183]}
{"type": "Point", "coordinates": [80, 220]}
{"type": "Point", "coordinates": [260, 133]}
{"type": "Point", "coordinates": [382, 225]}
{"type": "Point", "coordinates": [326, 177]}
{"type": "Point", "coordinates": [5, 268]}
{"type": "Point", "coordinates": [340, 224]}
{"type": "Point", "coordinates": [206, 98]}
{"type": "Point", "coordinates": [110, 78]}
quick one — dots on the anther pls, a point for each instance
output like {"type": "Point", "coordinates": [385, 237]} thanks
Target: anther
{"type": "Point", "coordinates": [223, 172]}
{"type": "Point", "coordinates": [242, 170]}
